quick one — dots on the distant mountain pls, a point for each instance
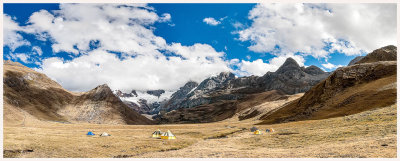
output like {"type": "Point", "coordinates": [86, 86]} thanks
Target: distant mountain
{"type": "Point", "coordinates": [369, 84]}
{"type": "Point", "coordinates": [29, 94]}
{"type": "Point", "coordinates": [355, 60]}
{"type": "Point", "coordinates": [218, 90]}
{"type": "Point", "coordinates": [144, 102]}
{"type": "Point", "coordinates": [221, 110]}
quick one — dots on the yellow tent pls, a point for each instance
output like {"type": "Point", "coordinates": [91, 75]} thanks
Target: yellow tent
{"type": "Point", "coordinates": [257, 132]}
{"type": "Point", "coordinates": [157, 134]}
{"type": "Point", "coordinates": [168, 135]}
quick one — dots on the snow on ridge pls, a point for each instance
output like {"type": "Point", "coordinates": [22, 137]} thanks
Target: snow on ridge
{"type": "Point", "coordinates": [148, 97]}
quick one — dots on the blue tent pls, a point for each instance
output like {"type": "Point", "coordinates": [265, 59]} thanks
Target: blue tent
{"type": "Point", "coordinates": [90, 133]}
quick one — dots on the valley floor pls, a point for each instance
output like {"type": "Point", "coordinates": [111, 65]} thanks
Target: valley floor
{"type": "Point", "coordinates": [367, 134]}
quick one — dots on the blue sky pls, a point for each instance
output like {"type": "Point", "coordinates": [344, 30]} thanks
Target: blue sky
{"type": "Point", "coordinates": [244, 38]}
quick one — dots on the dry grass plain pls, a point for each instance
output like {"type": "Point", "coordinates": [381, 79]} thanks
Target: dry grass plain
{"type": "Point", "coordinates": [367, 134]}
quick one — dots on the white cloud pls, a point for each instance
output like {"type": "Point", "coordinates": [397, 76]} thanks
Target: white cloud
{"type": "Point", "coordinates": [118, 28]}
{"type": "Point", "coordinates": [165, 17]}
{"type": "Point", "coordinates": [331, 66]}
{"type": "Point", "coordinates": [37, 50]}
{"type": "Point", "coordinates": [259, 67]}
{"type": "Point", "coordinates": [237, 25]}
{"type": "Point", "coordinates": [20, 56]}
{"type": "Point", "coordinates": [308, 28]}
{"type": "Point", "coordinates": [141, 73]}
{"type": "Point", "coordinates": [12, 38]}
{"type": "Point", "coordinates": [147, 61]}
{"type": "Point", "coordinates": [211, 21]}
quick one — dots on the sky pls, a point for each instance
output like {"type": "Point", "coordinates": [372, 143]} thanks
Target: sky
{"type": "Point", "coordinates": [163, 46]}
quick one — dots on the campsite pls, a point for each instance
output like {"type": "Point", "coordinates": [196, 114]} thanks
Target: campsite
{"type": "Point", "coordinates": [367, 134]}
{"type": "Point", "coordinates": [256, 80]}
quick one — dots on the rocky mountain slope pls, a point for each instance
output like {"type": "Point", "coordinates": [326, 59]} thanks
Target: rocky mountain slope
{"type": "Point", "coordinates": [144, 102]}
{"type": "Point", "coordinates": [32, 95]}
{"type": "Point", "coordinates": [370, 83]}
{"type": "Point", "coordinates": [387, 53]}
{"type": "Point", "coordinates": [222, 109]}
{"type": "Point", "coordinates": [220, 97]}
{"type": "Point", "coordinates": [290, 78]}
{"type": "Point", "coordinates": [355, 60]}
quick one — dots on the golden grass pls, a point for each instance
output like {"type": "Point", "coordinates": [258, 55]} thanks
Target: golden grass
{"type": "Point", "coordinates": [367, 134]}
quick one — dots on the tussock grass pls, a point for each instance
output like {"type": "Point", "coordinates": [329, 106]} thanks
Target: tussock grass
{"type": "Point", "coordinates": [367, 134]}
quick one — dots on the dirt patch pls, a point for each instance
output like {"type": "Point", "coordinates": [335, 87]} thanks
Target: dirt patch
{"type": "Point", "coordinates": [288, 133]}
{"type": "Point", "coordinates": [15, 153]}
{"type": "Point", "coordinates": [225, 135]}
{"type": "Point", "coordinates": [123, 156]}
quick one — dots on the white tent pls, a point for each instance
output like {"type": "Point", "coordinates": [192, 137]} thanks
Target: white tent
{"type": "Point", "coordinates": [105, 134]}
{"type": "Point", "coordinates": [157, 134]}
{"type": "Point", "coordinates": [168, 135]}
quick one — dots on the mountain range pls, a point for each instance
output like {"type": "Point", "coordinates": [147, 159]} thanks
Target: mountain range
{"type": "Point", "coordinates": [368, 82]}
{"type": "Point", "coordinates": [290, 78]}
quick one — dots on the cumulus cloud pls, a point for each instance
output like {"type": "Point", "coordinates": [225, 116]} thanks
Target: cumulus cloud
{"type": "Point", "coordinates": [259, 67]}
{"type": "Point", "coordinates": [165, 17]}
{"type": "Point", "coordinates": [37, 50]}
{"type": "Point", "coordinates": [144, 61]}
{"type": "Point", "coordinates": [12, 38]}
{"type": "Point", "coordinates": [237, 25]}
{"type": "Point", "coordinates": [121, 28]}
{"type": "Point", "coordinates": [141, 73]}
{"type": "Point", "coordinates": [310, 28]}
{"type": "Point", "coordinates": [20, 56]}
{"type": "Point", "coordinates": [211, 21]}
{"type": "Point", "coordinates": [331, 66]}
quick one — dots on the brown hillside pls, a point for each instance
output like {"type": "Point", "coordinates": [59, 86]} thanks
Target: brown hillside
{"type": "Point", "coordinates": [32, 96]}
{"type": "Point", "coordinates": [387, 53]}
{"type": "Point", "coordinates": [347, 91]}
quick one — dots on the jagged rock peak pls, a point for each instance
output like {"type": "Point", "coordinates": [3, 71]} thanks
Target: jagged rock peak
{"type": "Point", "coordinates": [133, 93]}
{"type": "Point", "coordinates": [157, 93]}
{"type": "Point", "coordinates": [103, 86]}
{"type": "Point", "coordinates": [290, 63]}
{"type": "Point", "coordinates": [226, 75]}
{"type": "Point", "coordinates": [389, 47]}
{"type": "Point", "coordinates": [313, 70]}
{"type": "Point", "coordinates": [190, 84]}
{"type": "Point", "coordinates": [101, 92]}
